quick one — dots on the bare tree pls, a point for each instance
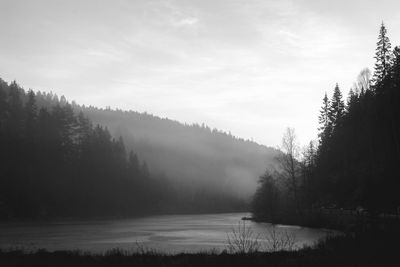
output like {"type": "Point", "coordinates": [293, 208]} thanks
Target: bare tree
{"type": "Point", "coordinates": [289, 163]}
{"type": "Point", "coordinates": [278, 240]}
{"type": "Point", "coordinates": [363, 81]}
{"type": "Point", "coordinates": [243, 240]}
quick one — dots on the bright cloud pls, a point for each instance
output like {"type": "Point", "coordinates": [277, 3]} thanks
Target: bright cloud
{"type": "Point", "coordinates": [249, 67]}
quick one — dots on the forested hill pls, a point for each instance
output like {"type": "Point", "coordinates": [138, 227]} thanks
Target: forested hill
{"type": "Point", "coordinates": [190, 155]}
{"type": "Point", "coordinates": [195, 158]}
{"type": "Point", "coordinates": [55, 163]}
{"type": "Point", "coordinates": [58, 162]}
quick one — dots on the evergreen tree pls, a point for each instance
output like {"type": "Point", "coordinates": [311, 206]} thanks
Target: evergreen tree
{"type": "Point", "coordinates": [396, 66]}
{"type": "Point", "coordinates": [336, 110]}
{"type": "Point", "coordinates": [30, 130]}
{"type": "Point", "coordinates": [15, 114]}
{"type": "Point", "coordinates": [83, 131]}
{"type": "Point", "coordinates": [325, 126]}
{"type": "Point", "coordinates": [351, 100]}
{"type": "Point", "coordinates": [30, 113]}
{"type": "Point", "coordinates": [383, 56]}
{"type": "Point", "coordinates": [133, 163]}
{"type": "Point", "coordinates": [3, 107]}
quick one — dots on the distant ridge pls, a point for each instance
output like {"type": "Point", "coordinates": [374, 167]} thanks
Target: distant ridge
{"type": "Point", "coordinates": [195, 156]}
{"type": "Point", "coordinates": [203, 165]}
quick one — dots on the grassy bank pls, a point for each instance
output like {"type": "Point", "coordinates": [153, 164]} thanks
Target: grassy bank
{"type": "Point", "coordinates": [356, 249]}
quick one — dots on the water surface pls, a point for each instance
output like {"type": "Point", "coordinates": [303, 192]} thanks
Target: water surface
{"type": "Point", "coordinates": [167, 233]}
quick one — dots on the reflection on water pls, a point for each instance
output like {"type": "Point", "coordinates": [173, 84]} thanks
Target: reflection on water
{"type": "Point", "coordinates": [167, 233]}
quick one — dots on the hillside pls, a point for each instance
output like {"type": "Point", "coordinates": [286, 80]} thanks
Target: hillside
{"type": "Point", "coordinates": [189, 168]}
{"type": "Point", "coordinates": [55, 163]}
{"type": "Point", "coordinates": [194, 156]}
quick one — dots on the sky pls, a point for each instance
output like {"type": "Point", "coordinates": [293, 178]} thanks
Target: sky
{"type": "Point", "coordinates": [251, 67]}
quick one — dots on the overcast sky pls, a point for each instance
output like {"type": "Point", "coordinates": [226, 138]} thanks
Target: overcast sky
{"type": "Point", "coordinates": [249, 67]}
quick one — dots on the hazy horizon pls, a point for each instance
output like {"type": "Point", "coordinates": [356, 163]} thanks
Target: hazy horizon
{"type": "Point", "coordinates": [251, 68]}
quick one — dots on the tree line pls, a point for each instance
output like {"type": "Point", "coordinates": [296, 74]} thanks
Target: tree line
{"type": "Point", "coordinates": [354, 163]}
{"type": "Point", "coordinates": [56, 163]}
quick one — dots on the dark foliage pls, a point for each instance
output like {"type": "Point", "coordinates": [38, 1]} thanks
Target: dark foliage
{"type": "Point", "coordinates": [55, 163]}
{"type": "Point", "coordinates": [358, 164]}
{"type": "Point", "coordinates": [355, 166]}
{"type": "Point", "coordinates": [201, 161]}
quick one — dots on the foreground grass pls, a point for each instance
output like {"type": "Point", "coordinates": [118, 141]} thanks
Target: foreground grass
{"type": "Point", "coordinates": [366, 249]}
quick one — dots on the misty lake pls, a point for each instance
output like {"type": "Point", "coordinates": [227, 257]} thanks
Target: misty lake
{"type": "Point", "coordinates": [166, 233]}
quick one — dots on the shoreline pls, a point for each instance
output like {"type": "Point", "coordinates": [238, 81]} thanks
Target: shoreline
{"type": "Point", "coordinates": [365, 249]}
{"type": "Point", "coordinates": [336, 219]}
{"type": "Point", "coordinates": [108, 218]}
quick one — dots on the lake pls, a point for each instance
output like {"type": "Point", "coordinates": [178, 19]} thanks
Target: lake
{"type": "Point", "coordinates": [166, 233]}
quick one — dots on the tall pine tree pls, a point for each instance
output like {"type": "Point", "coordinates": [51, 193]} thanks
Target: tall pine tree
{"type": "Point", "coordinates": [396, 66]}
{"type": "Point", "coordinates": [336, 110]}
{"type": "Point", "coordinates": [325, 128]}
{"type": "Point", "coordinates": [383, 56]}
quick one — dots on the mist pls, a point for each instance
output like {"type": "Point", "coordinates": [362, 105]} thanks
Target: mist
{"type": "Point", "coordinates": [232, 133]}
{"type": "Point", "coordinates": [192, 156]}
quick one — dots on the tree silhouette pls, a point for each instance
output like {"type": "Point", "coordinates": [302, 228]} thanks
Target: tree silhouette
{"type": "Point", "coordinates": [383, 55]}
{"type": "Point", "coordinates": [356, 163]}
{"type": "Point", "coordinates": [336, 110]}
{"type": "Point", "coordinates": [325, 128]}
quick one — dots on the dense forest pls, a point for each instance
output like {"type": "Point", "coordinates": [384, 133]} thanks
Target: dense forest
{"type": "Point", "coordinates": [354, 164]}
{"type": "Point", "coordinates": [193, 157]}
{"type": "Point", "coordinates": [205, 169]}
{"type": "Point", "coordinates": [58, 162]}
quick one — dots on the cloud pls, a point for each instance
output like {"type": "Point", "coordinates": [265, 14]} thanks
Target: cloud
{"type": "Point", "coordinates": [189, 21]}
{"type": "Point", "coordinates": [251, 67]}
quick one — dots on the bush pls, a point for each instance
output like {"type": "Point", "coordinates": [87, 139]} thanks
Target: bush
{"type": "Point", "coordinates": [243, 240]}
